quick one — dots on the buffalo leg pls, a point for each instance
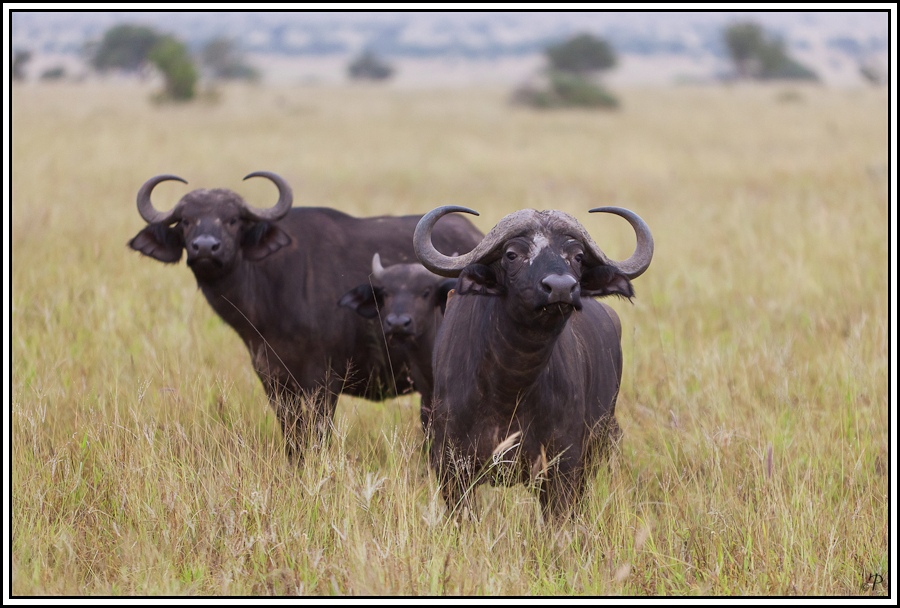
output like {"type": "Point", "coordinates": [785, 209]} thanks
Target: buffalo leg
{"type": "Point", "coordinates": [305, 419]}
{"type": "Point", "coordinates": [560, 491]}
{"type": "Point", "coordinates": [455, 475]}
{"type": "Point", "coordinates": [425, 414]}
{"type": "Point", "coordinates": [603, 444]}
{"type": "Point", "coordinates": [294, 426]}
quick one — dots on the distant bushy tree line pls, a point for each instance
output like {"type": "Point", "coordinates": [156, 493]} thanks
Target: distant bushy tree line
{"type": "Point", "coordinates": [572, 76]}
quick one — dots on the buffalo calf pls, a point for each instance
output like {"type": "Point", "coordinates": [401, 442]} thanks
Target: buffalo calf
{"type": "Point", "coordinates": [408, 301]}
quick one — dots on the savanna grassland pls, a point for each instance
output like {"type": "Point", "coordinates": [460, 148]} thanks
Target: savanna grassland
{"type": "Point", "coordinates": [755, 457]}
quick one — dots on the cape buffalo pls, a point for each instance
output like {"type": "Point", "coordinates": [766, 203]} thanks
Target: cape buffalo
{"type": "Point", "coordinates": [274, 275]}
{"type": "Point", "coordinates": [526, 365]}
{"type": "Point", "coordinates": [409, 300]}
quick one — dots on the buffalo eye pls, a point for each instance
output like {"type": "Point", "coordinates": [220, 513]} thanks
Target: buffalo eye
{"type": "Point", "coordinates": [511, 255]}
{"type": "Point", "coordinates": [232, 221]}
{"type": "Point", "coordinates": [427, 292]}
{"type": "Point", "coordinates": [579, 257]}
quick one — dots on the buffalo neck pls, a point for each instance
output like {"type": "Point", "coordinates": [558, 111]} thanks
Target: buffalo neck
{"type": "Point", "coordinates": [248, 298]}
{"type": "Point", "coordinates": [514, 356]}
{"type": "Point", "coordinates": [412, 359]}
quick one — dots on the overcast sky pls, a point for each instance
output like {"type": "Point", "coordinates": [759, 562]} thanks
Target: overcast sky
{"type": "Point", "coordinates": [831, 20]}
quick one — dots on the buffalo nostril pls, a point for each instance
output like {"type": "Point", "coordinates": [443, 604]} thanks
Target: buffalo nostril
{"type": "Point", "coordinates": [205, 244]}
{"type": "Point", "coordinates": [559, 282]}
{"type": "Point", "coordinates": [559, 286]}
{"type": "Point", "coordinates": [398, 321]}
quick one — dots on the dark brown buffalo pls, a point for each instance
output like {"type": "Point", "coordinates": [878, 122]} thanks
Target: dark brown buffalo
{"type": "Point", "coordinates": [527, 365]}
{"type": "Point", "coordinates": [406, 304]}
{"type": "Point", "coordinates": [274, 275]}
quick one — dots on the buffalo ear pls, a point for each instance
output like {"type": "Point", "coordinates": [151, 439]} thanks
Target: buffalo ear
{"type": "Point", "coordinates": [262, 240]}
{"type": "Point", "coordinates": [605, 281]}
{"type": "Point", "coordinates": [159, 242]}
{"type": "Point", "coordinates": [443, 291]}
{"type": "Point", "coordinates": [364, 299]}
{"type": "Point", "coordinates": [479, 279]}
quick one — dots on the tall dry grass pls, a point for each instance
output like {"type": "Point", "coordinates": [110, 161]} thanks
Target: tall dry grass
{"type": "Point", "coordinates": [145, 460]}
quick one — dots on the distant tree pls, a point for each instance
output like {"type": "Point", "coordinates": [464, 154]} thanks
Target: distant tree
{"type": "Point", "coordinates": [760, 56]}
{"type": "Point", "coordinates": [368, 66]}
{"type": "Point", "coordinates": [745, 43]}
{"type": "Point", "coordinates": [124, 47]}
{"type": "Point", "coordinates": [19, 61]}
{"type": "Point", "coordinates": [135, 47]}
{"type": "Point", "coordinates": [224, 60]}
{"type": "Point", "coordinates": [54, 73]}
{"type": "Point", "coordinates": [573, 76]}
{"type": "Point", "coordinates": [581, 54]}
{"type": "Point", "coordinates": [171, 57]}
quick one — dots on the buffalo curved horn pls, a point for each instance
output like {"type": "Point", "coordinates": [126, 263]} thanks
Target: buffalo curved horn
{"type": "Point", "coordinates": [146, 208]}
{"type": "Point", "coordinates": [285, 199]}
{"type": "Point", "coordinates": [485, 251]}
{"type": "Point", "coordinates": [639, 261]}
{"type": "Point", "coordinates": [377, 268]}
